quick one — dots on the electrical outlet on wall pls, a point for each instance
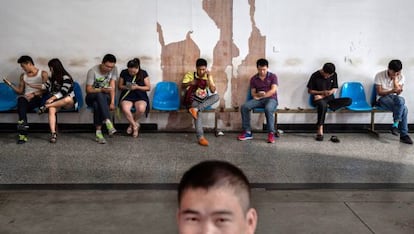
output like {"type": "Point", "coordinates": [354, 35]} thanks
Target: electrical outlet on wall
{"type": "Point", "coordinates": [275, 49]}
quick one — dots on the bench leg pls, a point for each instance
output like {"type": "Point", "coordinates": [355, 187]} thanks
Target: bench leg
{"type": "Point", "coordinates": [277, 134]}
{"type": "Point", "coordinates": [372, 129]}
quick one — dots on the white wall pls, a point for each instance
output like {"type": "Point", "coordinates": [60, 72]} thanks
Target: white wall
{"type": "Point", "coordinates": [360, 37]}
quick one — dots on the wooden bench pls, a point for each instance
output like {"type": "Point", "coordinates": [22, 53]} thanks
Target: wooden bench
{"type": "Point", "coordinates": [307, 111]}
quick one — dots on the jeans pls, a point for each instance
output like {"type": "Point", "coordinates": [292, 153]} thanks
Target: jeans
{"type": "Point", "coordinates": [100, 104]}
{"type": "Point", "coordinates": [210, 100]}
{"type": "Point", "coordinates": [269, 104]}
{"type": "Point", "coordinates": [396, 104]}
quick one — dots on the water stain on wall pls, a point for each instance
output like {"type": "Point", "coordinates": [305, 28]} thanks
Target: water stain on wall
{"type": "Point", "coordinates": [78, 62]}
{"type": "Point", "coordinates": [177, 58]}
{"type": "Point", "coordinates": [293, 62]}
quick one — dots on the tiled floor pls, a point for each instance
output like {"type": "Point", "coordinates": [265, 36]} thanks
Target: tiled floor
{"type": "Point", "coordinates": [158, 160]}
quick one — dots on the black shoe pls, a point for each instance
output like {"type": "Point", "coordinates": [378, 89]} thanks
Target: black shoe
{"type": "Point", "coordinates": [395, 131]}
{"type": "Point", "coordinates": [319, 137]}
{"type": "Point", "coordinates": [53, 137]}
{"type": "Point", "coordinates": [335, 139]}
{"type": "Point", "coordinates": [406, 139]}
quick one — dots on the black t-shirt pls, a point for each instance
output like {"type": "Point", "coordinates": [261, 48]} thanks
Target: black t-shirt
{"type": "Point", "coordinates": [319, 83]}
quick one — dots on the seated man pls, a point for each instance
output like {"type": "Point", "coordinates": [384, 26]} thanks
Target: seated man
{"type": "Point", "coordinates": [100, 94]}
{"type": "Point", "coordinates": [30, 97]}
{"type": "Point", "coordinates": [263, 88]}
{"type": "Point", "coordinates": [389, 84]}
{"type": "Point", "coordinates": [200, 94]}
{"type": "Point", "coordinates": [323, 85]}
{"type": "Point", "coordinates": [214, 197]}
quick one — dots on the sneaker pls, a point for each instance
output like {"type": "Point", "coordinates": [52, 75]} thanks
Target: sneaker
{"type": "Point", "coordinates": [111, 129]}
{"type": "Point", "coordinates": [193, 111]}
{"type": "Point", "coordinates": [395, 131]}
{"type": "Point", "coordinates": [270, 137]}
{"type": "Point", "coordinates": [53, 137]}
{"type": "Point", "coordinates": [406, 139]}
{"type": "Point", "coordinates": [203, 141]}
{"type": "Point", "coordinates": [245, 136]}
{"type": "Point", "coordinates": [100, 139]}
{"type": "Point", "coordinates": [41, 110]}
{"type": "Point", "coordinates": [22, 139]}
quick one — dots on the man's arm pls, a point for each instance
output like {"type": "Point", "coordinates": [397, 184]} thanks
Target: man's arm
{"type": "Point", "coordinates": [112, 91]}
{"type": "Point", "coordinates": [383, 92]}
{"type": "Point", "coordinates": [210, 83]}
{"type": "Point", "coordinates": [19, 88]}
{"type": "Point", "coordinates": [272, 91]}
{"type": "Point", "coordinates": [188, 80]}
{"type": "Point", "coordinates": [321, 94]}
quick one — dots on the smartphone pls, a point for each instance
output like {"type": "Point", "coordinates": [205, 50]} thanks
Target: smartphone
{"type": "Point", "coordinates": [7, 81]}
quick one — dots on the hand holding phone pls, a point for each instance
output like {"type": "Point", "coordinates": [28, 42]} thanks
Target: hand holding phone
{"type": "Point", "coordinates": [7, 82]}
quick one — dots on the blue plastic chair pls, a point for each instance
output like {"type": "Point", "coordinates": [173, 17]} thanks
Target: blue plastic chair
{"type": "Point", "coordinates": [166, 96]}
{"type": "Point", "coordinates": [374, 102]}
{"type": "Point", "coordinates": [8, 98]}
{"type": "Point", "coordinates": [78, 94]}
{"type": "Point", "coordinates": [355, 91]}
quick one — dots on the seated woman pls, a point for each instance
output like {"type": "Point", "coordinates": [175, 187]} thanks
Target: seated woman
{"type": "Point", "coordinates": [134, 83]}
{"type": "Point", "coordinates": [60, 92]}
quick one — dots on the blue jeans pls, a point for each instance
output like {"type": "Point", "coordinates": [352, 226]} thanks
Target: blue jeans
{"type": "Point", "coordinates": [210, 100]}
{"type": "Point", "coordinates": [396, 104]}
{"type": "Point", "coordinates": [100, 103]}
{"type": "Point", "coordinates": [269, 105]}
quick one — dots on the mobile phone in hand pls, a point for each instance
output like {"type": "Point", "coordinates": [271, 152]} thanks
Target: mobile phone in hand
{"type": "Point", "coordinates": [7, 82]}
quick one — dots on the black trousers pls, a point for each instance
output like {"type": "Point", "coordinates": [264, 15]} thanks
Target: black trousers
{"type": "Point", "coordinates": [23, 106]}
{"type": "Point", "coordinates": [332, 103]}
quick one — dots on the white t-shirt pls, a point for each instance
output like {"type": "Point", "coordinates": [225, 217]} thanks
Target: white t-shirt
{"type": "Point", "coordinates": [387, 84]}
{"type": "Point", "coordinates": [99, 80]}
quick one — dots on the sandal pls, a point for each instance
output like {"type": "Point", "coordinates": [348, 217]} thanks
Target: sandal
{"type": "Point", "coordinates": [135, 132]}
{"type": "Point", "coordinates": [41, 110]}
{"type": "Point", "coordinates": [129, 130]}
{"type": "Point", "coordinates": [335, 139]}
{"type": "Point", "coordinates": [53, 137]}
{"type": "Point", "coordinates": [319, 137]}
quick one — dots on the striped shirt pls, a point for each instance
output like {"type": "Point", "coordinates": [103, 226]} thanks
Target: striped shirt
{"type": "Point", "coordinates": [60, 90]}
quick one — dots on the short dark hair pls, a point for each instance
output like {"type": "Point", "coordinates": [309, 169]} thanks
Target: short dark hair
{"type": "Point", "coordinates": [262, 63]}
{"type": "Point", "coordinates": [135, 63]}
{"type": "Point", "coordinates": [109, 58]}
{"type": "Point", "coordinates": [395, 65]}
{"type": "Point", "coordinates": [201, 62]}
{"type": "Point", "coordinates": [25, 59]}
{"type": "Point", "coordinates": [216, 174]}
{"type": "Point", "coordinates": [328, 68]}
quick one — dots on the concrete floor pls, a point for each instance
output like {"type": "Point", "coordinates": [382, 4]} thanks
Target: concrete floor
{"type": "Point", "coordinates": [362, 185]}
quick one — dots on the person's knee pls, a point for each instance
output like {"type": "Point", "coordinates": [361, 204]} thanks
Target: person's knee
{"type": "Point", "coordinates": [400, 101]}
{"type": "Point", "coordinates": [52, 110]}
{"type": "Point", "coordinates": [141, 109]}
{"type": "Point", "coordinates": [244, 108]}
